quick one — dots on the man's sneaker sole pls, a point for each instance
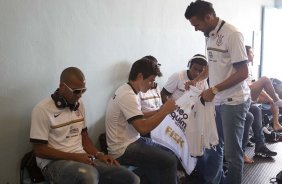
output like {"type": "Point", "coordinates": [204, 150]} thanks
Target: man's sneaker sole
{"type": "Point", "coordinates": [265, 154]}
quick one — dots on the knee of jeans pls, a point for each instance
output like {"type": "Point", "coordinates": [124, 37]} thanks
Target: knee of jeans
{"type": "Point", "coordinates": [173, 160]}
{"type": "Point", "coordinates": [88, 174]}
{"type": "Point", "coordinates": [170, 161]}
{"type": "Point", "coordinates": [133, 179]}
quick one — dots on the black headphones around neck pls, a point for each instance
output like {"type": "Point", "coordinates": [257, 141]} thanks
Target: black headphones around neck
{"type": "Point", "coordinates": [61, 102]}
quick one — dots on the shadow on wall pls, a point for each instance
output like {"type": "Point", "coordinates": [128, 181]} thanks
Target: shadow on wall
{"type": "Point", "coordinates": [95, 130]}
{"type": "Point", "coordinates": [119, 74]}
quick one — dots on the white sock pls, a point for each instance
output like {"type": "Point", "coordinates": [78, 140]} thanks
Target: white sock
{"type": "Point", "coordinates": [278, 103]}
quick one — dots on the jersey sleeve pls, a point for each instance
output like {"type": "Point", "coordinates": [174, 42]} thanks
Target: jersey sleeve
{"type": "Point", "coordinates": [237, 48]}
{"type": "Point", "coordinates": [130, 106]}
{"type": "Point", "coordinates": [172, 83]}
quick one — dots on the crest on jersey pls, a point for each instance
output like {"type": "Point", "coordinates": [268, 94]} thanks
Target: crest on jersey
{"type": "Point", "coordinates": [219, 40]}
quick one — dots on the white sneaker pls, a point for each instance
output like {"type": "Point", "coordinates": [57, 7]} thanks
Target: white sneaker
{"type": "Point", "coordinates": [278, 103]}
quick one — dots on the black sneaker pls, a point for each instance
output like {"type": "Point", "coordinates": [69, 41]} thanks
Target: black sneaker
{"type": "Point", "coordinates": [263, 151]}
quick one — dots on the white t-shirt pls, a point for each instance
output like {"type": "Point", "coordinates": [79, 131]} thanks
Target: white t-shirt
{"type": "Point", "coordinates": [251, 76]}
{"type": "Point", "coordinates": [59, 128]}
{"type": "Point", "coordinates": [151, 100]}
{"type": "Point", "coordinates": [122, 108]}
{"type": "Point", "coordinates": [225, 47]}
{"type": "Point", "coordinates": [176, 84]}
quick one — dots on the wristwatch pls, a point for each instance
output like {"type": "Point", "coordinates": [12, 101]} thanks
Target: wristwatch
{"type": "Point", "coordinates": [214, 90]}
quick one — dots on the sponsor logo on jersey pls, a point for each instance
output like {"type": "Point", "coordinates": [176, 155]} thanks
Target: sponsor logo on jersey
{"type": "Point", "coordinates": [179, 117]}
{"type": "Point", "coordinates": [56, 115]}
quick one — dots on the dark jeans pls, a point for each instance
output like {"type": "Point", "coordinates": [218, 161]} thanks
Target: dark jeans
{"type": "Point", "coordinates": [254, 114]}
{"type": "Point", "coordinates": [71, 172]}
{"type": "Point", "coordinates": [159, 164]}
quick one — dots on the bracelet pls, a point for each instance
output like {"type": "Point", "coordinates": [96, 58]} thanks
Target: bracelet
{"type": "Point", "coordinates": [214, 90]}
{"type": "Point", "coordinates": [99, 153]}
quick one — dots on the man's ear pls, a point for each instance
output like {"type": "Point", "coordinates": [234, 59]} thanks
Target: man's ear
{"type": "Point", "coordinates": [61, 86]}
{"type": "Point", "coordinates": [208, 17]}
{"type": "Point", "coordinates": [139, 76]}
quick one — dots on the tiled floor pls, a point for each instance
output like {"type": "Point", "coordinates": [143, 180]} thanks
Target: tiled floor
{"type": "Point", "coordinates": [261, 171]}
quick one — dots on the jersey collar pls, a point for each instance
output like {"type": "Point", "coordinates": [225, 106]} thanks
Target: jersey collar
{"type": "Point", "coordinates": [132, 88]}
{"type": "Point", "coordinates": [219, 25]}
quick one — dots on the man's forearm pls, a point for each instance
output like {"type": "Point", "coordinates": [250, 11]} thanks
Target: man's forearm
{"type": "Point", "coordinates": [237, 77]}
{"type": "Point", "coordinates": [44, 151]}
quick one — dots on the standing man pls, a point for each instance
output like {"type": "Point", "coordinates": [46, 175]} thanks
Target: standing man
{"type": "Point", "coordinates": [227, 73]}
{"type": "Point", "coordinates": [125, 122]}
{"type": "Point", "coordinates": [63, 149]}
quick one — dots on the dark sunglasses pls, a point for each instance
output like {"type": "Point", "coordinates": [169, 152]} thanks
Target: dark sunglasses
{"type": "Point", "coordinates": [76, 91]}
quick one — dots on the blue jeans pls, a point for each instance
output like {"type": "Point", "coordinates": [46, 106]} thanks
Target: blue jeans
{"type": "Point", "coordinates": [257, 124]}
{"type": "Point", "coordinates": [230, 121]}
{"type": "Point", "coordinates": [256, 114]}
{"type": "Point", "coordinates": [248, 123]}
{"type": "Point", "coordinates": [71, 172]}
{"type": "Point", "coordinates": [233, 119]}
{"type": "Point", "coordinates": [210, 164]}
{"type": "Point", "coordinates": [149, 156]}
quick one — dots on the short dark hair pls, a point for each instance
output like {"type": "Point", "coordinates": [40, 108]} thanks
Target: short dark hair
{"type": "Point", "coordinates": [152, 58]}
{"type": "Point", "coordinates": [198, 59]}
{"type": "Point", "coordinates": [199, 9]}
{"type": "Point", "coordinates": [146, 67]}
{"type": "Point", "coordinates": [248, 48]}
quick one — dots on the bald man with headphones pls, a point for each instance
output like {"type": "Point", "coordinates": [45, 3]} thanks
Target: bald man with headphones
{"type": "Point", "coordinates": [64, 151]}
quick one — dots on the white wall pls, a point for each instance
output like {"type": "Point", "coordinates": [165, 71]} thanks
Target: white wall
{"type": "Point", "coordinates": [272, 52]}
{"type": "Point", "coordinates": [39, 38]}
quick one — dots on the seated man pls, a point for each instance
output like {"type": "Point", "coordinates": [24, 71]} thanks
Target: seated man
{"type": "Point", "coordinates": [125, 122]}
{"type": "Point", "coordinates": [63, 149]}
{"type": "Point", "coordinates": [254, 119]}
{"type": "Point", "coordinates": [262, 91]}
{"type": "Point", "coordinates": [177, 82]}
{"type": "Point", "coordinates": [151, 100]}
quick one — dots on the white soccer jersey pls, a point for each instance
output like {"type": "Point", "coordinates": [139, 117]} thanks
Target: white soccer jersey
{"type": "Point", "coordinates": [189, 129]}
{"type": "Point", "coordinates": [176, 84]}
{"type": "Point", "coordinates": [151, 100]}
{"type": "Point", "coordinates": [201, 128]}
{"type": "Point", "coordinates": [251, 76]}
{"type": "Point", "coordinates": [225, 47]}
{"type": "Point", "coordinates": [122, 108]}
{"type": "Point", "coordinates": [59, 128]}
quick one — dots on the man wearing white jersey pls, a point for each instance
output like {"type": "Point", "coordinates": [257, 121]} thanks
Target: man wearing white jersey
{"type": "Point", "coordinates": [151, 100]}
{"type": "Point", "coordinates": [227, 73]}
{"type": "Point", "coordinates": [63, 149]}
{"type": "Point", "coordinates": [125, 122]}
{"type": "Point", "coordinates": [175, 85]}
